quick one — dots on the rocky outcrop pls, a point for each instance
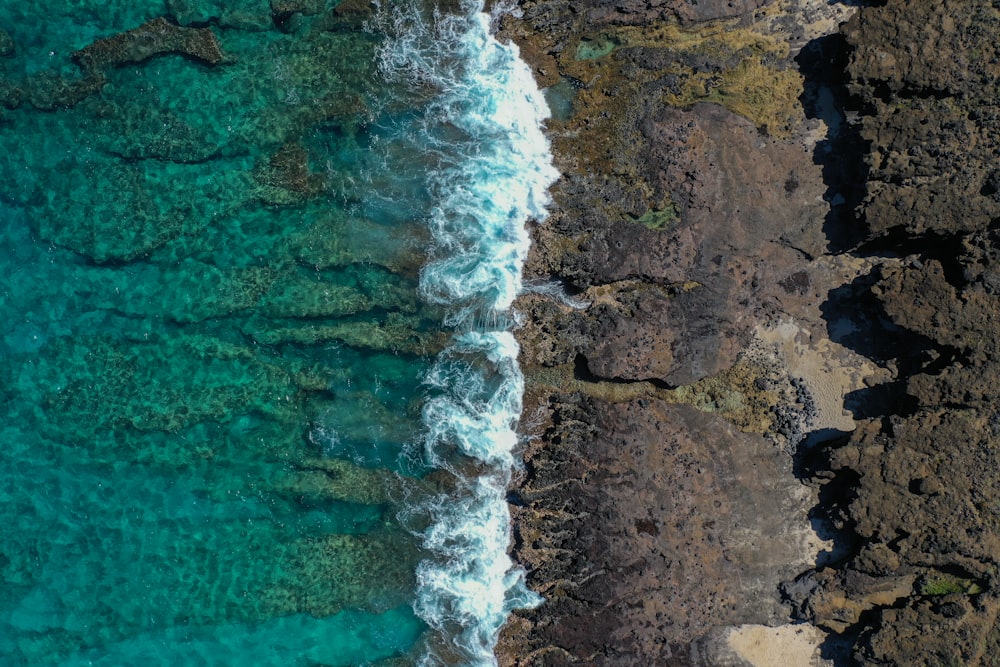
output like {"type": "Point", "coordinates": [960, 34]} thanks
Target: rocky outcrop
{"type": "Point", "coordinates": [48, 90]}
{"type": "Point", "coordinates": [596, 13]}
{"type": "Point", "coordinates": [152, 38]}
{"type": "Point", "coordinates": [921, 482]}
{"type": "Point", "coordinates": [676, 336]}
{"type": "Point", "coordinates": [286, 177]}
{"type": "Point", "coordinates": [926, 76]}
{"type": "Point", "coordinates": [613, 524]}
{"type": "Point", "coordinates": [678, 303]}
{"type": "Point", "coordinates": [849, 234]}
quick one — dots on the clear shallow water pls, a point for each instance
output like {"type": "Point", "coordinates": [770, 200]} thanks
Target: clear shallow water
{"type": "Point", "coordinates": [258, 400]}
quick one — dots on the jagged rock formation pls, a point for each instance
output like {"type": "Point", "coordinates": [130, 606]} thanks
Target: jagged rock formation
{"type": "Point", "coordinates": [690, 351]}
{"type": "Point", "coordinates": [152, 38]}
{"type": "Point", "coordinates": [156, 37]}
{"type": "Point", "coordinates": [919, 486]}
{"type": "Point", "coordinates": [693, 231]}
{"type": "Point", "coordinates": [566, 14]}
{"type": "Point", "coordinates": [638, 565]}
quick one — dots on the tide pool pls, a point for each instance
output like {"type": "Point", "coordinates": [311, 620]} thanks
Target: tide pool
{"type": "Point", "coordinates": [259, 397]}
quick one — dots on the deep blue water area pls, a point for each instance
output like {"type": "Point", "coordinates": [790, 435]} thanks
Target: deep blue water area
{"type": "Point", "coordinates": [258, 402]}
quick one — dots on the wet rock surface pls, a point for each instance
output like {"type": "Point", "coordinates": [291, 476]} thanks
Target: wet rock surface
{"type": "Point", "coordinates": [155, 37]}
{"type": "Point", "coordinates": [786, 222]}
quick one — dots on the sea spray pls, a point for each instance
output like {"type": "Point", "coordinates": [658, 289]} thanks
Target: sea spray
{"type": "Point", "coordinates": [557, 292]}
{"type": "Point", "coordinates": [490, 174]}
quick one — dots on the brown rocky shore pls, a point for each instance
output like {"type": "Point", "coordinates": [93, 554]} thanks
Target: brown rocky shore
{"type": "Point", "coordinates": [759, 342]}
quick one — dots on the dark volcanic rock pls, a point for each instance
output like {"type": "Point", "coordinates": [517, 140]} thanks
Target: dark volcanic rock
{"type": "Point", "coordinates": [683, 298]}
{"type": "Point", "coordinates": [926, 71]}
{"type": "Point", "coordinates": [681, 229]}
{"type": "Point", "coordinates": [612, 522]}
{"type": "Point", "coordinates": [924, 483]}
{"type": "Point", "coordinates": [677, 336]}
{"type": "Point", "coordinates": [636, 12]}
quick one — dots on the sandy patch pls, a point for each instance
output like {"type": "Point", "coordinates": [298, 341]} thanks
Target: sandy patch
{"type": "Point", "coordinates": [830, 371]}
{"type": "Point", "coordinates": [782, 646]}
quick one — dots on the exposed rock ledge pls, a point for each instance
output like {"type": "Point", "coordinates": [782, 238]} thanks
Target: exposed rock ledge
{"type": "Point", "coordinates": [728, 323]}
{"type": "Point", "coordinates": [780, 245]}
{"type": "Point", "coordinates": [659, 511]}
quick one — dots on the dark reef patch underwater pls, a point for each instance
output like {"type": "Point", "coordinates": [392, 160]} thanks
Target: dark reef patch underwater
{"type": "Point", "coordinates": [259, 402]}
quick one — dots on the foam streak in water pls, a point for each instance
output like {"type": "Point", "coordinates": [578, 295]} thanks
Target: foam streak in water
{"type": "Point", "coordinates": [497, 165]}
{"type": "Point", "coordinates": [491, 175]}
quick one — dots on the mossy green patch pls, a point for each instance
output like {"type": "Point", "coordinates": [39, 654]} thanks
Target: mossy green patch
{"type": "Point", "coordinates": [732, 394]}
{"type": "Point", "coordinates": [659, 219]}
{"type": "Point", "coordinates": [761, 93]}
{"type": "Point", "coordinates": [734, 66]}
{"type": "Point", "coordinates": [947, 584]}
{"type": "Point", "coordinates": [735, 394]}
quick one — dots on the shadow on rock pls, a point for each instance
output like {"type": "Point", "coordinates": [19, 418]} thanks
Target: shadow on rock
{"type": "Point", "coordinates": [830, 520]}
{"type": "Point", "coordinates": [856, 319]}
{"type": "Point", "coordinates": [823, 64]}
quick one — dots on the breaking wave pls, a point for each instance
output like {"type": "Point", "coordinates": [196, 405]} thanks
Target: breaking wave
{"type": "Point", "coordinates": [489, 176]}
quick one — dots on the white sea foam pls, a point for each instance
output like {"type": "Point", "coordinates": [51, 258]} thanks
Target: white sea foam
{"type": "Point", "coordinates": [477, 400]}
{"type": "Point", "coordinates": [557, 292]}
{"type": "Point", "coordinates": [495, 165]}
{"type": "Point", "coordinates": [490, 169]}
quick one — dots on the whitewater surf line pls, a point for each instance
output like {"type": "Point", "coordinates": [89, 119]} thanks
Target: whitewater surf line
{"type": "Point", "coordinates": [492, 172]}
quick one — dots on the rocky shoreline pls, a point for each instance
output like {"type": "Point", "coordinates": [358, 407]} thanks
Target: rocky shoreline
{"type": "Point", "coordinates": [757, 335]}
{"type": "Point", "coordinates": [757, 346]}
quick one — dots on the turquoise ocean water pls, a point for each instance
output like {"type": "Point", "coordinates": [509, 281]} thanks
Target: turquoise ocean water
{"type": "Point", "coordinates": [258, 391]}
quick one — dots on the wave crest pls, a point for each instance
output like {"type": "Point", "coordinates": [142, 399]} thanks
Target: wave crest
{"type": "Point", "coordinates": [490, 174]}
